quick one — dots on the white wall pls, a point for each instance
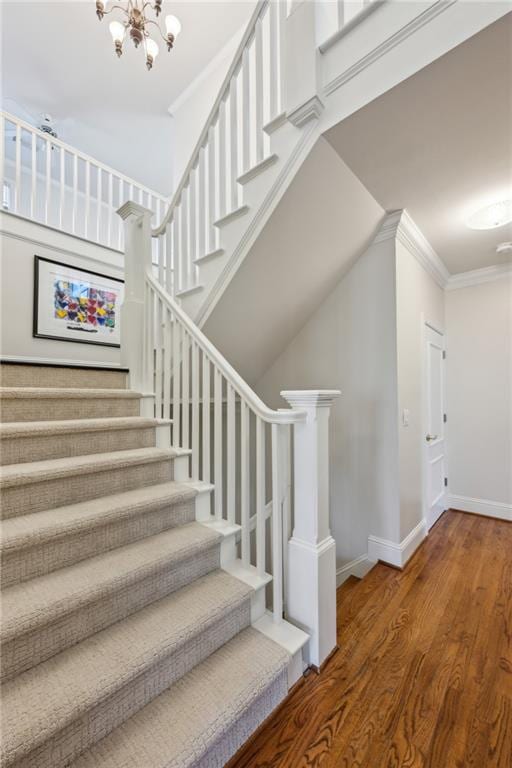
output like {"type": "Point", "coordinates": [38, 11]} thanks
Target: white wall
{"type": "Point", "coordinates": [479, 397]}
{"type": "Point", "coordinates": [419, 299]}
{"type": "Point", "coordinates": [20, 240]}
{"type": "Point", "coordinates": [349, 343]}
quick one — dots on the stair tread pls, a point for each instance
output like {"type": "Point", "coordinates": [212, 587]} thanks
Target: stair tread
{"type": "Point", "coordinates": [39, 527]}
{"type": "Point", "coordinates": [242, 669]}
{"type": "Point", "coordinates": [65, 392]}
{"type": "Point", "coordinates": [40, 702]}
{"type": "Point", "coordinates": [51, 469]}
{"type": "Point", "coordinates": [42, 428]}
{"type": "Point", "coordinates": [44, 599]}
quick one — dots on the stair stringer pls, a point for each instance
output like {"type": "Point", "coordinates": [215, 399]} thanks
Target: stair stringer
{"type": "Point", "coordinates": [261, 194]}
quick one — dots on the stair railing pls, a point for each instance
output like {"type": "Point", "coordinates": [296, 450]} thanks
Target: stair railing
{"type": "Point", "coordinates": [266, 467]}
{"type": "Point", "coordinates": [233, 142]}
{"type": "Point", "coordinates": [48, 181]}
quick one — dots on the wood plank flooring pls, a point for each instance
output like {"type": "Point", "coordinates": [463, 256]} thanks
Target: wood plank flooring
{"type": "Point", "coordinates": [423, 677]}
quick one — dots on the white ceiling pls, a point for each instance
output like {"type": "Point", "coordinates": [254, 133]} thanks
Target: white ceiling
{"type": "Point", "coordinates": [440, 145]}
{"type": "Point", "coordinates": [58, 58]}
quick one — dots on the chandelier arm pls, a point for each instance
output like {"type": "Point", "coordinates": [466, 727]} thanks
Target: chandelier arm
{"type": "Point", "coordinates": [116, 8]}
{"type": "Point", "coordinates": [157, 25]}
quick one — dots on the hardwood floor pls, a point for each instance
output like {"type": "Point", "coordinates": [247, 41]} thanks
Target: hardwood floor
{"type": "Point", "coordinates": [423, 677]}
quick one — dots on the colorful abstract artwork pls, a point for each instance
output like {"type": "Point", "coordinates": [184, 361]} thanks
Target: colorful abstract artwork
{"type": "Point", "coordinates": [79, 303]}
{"type": "Point", "coordinates": [72, 304]}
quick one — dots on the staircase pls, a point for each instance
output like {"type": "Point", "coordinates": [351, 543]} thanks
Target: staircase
{"type": "Point", "coordinates": [123, 641]}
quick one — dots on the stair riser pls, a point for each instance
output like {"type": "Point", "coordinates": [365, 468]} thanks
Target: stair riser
{"type": "Point", "coordinates": [23, 564]}
{"type": "Point", "coordinates": [54, 409]}
{"type": "Point", "coordinates": [55, 376]}
{"type": "Point", "coordinates": [32, 648]}
{"type": "Point", "coordinates": [19, 450]}
{"type": "Point", "coordinates": [70, 489]}
{"type": "Point", "coordinates": [135, 694]}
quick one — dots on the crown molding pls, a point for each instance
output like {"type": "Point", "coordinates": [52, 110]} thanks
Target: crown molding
{"type": "Point", "coordinates": [479, 276]}
{"type": "Point", "coordinates": [398, 225]}
{"type": "Point", "coordinates": [417, 244]}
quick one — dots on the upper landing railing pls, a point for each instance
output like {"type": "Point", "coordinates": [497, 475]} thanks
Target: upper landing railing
{"type": "Point", "coordinates": [50, 182]}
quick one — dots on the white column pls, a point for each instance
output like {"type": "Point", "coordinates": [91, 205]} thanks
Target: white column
{"type": "Point", "coordinates": [137, 263]}
{"type": "Point", "coordinates": [311, 577]}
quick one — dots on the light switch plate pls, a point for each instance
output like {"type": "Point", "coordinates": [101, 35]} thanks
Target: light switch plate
{"type": "Point", "coordinates": [405, 417]}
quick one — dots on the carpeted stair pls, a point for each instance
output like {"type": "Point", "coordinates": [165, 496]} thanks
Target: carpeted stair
{"type": "Point", "coordinates": [123, 643]}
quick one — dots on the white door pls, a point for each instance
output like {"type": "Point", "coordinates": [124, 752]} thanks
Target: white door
{"type": "Point", "coordinates": [434, 489]}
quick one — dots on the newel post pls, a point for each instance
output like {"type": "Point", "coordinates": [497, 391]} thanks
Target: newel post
{"type": "Point", "coordinates": [311, 582]}
{"type": "Point", "coordinates": [137, 262]}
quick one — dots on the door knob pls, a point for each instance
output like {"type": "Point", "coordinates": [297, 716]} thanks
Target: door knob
{"type": "Point", "coordinates": [431, 437]}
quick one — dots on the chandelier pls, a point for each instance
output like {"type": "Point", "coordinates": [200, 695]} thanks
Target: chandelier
{"type": "Point", "coordinates": [137, 25]}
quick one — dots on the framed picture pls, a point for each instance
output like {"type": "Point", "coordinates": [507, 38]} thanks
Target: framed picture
{"type": "Point", "coordinates": [74, 304]}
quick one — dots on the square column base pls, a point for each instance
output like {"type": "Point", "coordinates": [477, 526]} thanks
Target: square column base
{"type": "Point", "coordinates": [312, 595]}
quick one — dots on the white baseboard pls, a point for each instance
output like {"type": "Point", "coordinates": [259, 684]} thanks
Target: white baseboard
{"type": "Point", "coordinates": [397, 554]}
{"type": "Point", "coordinates": [358, 568]}
{"type": "Point", "coordinates": [56, 361]}
{"type": "Point", "coordinates": [481, 507]}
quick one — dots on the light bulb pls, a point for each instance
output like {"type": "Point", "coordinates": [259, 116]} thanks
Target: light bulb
{"type": "Point", "coordinates": [492, 216]}
{"type": "Point", "coordinates": [117, 31]}
{"type": "Point", "coordinates": [151, 48]}
{"type": "Point", "coordinates": [151, 52]}
{"type": "Point", "coordinates": [173, 26]}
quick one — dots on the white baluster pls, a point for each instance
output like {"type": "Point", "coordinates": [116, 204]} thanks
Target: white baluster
{"type": "Point", "coordinates": [193, 225]}
{"type": "Point", "coordinates": [195, 411]}
{"type": "Point", "coordinates": [245, 502]}
{"type": "Point", "coordinates": [230, 454]}
{"type": "Point", "coordinates": [2, 148]}
{"type": "Point", "coordinates": [222, 176]}
{"type": "Point", "coordinates": [185, 223]}
{"type": "Point", "coordinates": [185, 391]}
{"type": "Point", "coordinates": [201, 205]}
{"type": "Point", "coordinates": [88, 198]}
{"type": "Point", "coordinates": [158, 358]}
{"type": "Point", "coordinates": [217, 442]}
{"type": "Point", "coordinates": [258, 73]}
{"type": "Point", "coordinates": [33, 178]}
{"type": "Point", "coordinates": [278, 483]}
{"type": "Point", "coordinates": [273, 21]}
{"type": "Point", "coordinates": [178, 260]}
{"type": "Point", "coordinates": [167, 363]}
{"type": "Point", "coordinates": [176, 384]}
{"type": "Point", "coordinates": [75, 195]}
{"type": "Point", "coordinates": [62, 184]}
{"type": "Point", "coordinates": [169, 253]}
{"type": "Point", "coordinates": [206, 470]}
{"type": "Point", "coordinates": [110, 209]}
{"type": "Point", "coordinates": [48, 192]}
{"type": "Point", "coordinates": [17, 198]}
{"type": "Point", "coordinates": [99, 196]}
{"type": "Point", "coordinates": [212, 212]}
{"type": "Point", "coordinates": [260, 497]}
{"type": "Point", "coordinates": [233, 139]}
{"type": "Point", "coordinates": [282, 12]}
{"type": "Point", "coordinates": [120, 231]}
{"type": "Point", "coordinates": [246, 109]}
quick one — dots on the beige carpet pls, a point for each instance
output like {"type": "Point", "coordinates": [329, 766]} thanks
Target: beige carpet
{"type": "Point", "coordinates": [123, 644]}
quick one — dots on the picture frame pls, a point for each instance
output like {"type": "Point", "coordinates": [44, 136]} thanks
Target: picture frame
{"type": "Point", "coordinates": [76, 304]}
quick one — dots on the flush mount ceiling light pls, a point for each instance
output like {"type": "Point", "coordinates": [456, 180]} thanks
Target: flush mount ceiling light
{"type": "Point", "coordinates": [492, 216]}
{"type": "Point", "coordinates": [137, 25]}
